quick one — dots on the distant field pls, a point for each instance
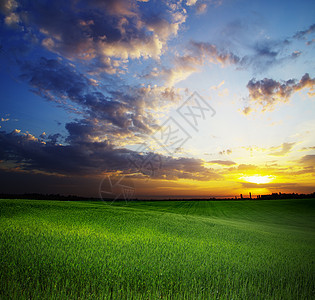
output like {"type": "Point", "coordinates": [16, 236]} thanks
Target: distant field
{"type": "Point", "coordinates": [157, 250]}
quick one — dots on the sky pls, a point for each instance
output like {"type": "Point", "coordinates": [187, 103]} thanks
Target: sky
{"type": "Point", "coordinates": [164, 99]}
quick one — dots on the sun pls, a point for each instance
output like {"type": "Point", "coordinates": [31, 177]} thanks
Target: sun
{"type": "Point", "coordinates": [259, 179]}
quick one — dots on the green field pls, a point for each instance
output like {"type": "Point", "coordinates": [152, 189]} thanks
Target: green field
{"type": "Point", "coordinates": [157, 250]}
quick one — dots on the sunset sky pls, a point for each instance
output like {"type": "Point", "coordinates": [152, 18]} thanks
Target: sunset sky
{"type": "Point", "coordinates": [189, 98]}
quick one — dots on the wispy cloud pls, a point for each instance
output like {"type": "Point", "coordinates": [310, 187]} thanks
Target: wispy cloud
{"type": "Point", "coordinates": [286, 148]}
{"type": "Point", "coordinates": [222, 162]}
{"type": "Point", "coordinates": [263, 55]}
{"type": "Point", "coordinates": [303, 33]}
{"type": "Point", "coordinates": [198, 55]}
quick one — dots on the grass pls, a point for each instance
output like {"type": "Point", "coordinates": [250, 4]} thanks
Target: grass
{"type": "Point", "coordinates": [157, 250]}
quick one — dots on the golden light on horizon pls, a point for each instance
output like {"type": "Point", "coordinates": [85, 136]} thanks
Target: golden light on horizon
{"type": "Point", "coordinates": [258, 179]}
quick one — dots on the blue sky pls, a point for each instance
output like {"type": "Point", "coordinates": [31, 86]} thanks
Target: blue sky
{"type": "Point", "coordinates": [85, 83]}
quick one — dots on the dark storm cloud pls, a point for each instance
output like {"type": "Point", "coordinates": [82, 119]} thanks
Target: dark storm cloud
{"type": "Point", "coordinates": [80, 157]}
{"type": "Point", "coordinates": [81, 131]}
{"type": "Point", "coordinates": [54, 138]}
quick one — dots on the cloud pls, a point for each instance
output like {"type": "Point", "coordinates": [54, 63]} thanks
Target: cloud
{"type": "Point", "coordinates": [80, 157]}
{"type": "Point", "coordinates": [277, 186]}
{"type": "Point", "coordinates": [244, 167]}
{"type": "Point", "coordinates": [202, 5]}
{"type": "Point", "coordinates": [280, 187]}
{"type": "Point", "coordinates": [185, 168]}
{"type": "Point", "coordinates": [267, 53]}
{"type": "Point", "coordinates": [260, 55]}
{"type": "Point", "coordinates": [115, 7]}
{"type": "Point", "coordinates": [223, 152]}
{"type": "Point", "coordinates": [30, 153]}
{"type": "Point", "coordinates": [312, 41]}
{"type": "Point", "coordinates": [160, 26]}
{"type": "Point", "coordinates": [99, 31]}
{"type": "Point", "coordinates": [109, 116]}
{"type": "Point", "coordinates": [198, 55]}
{"type": "Point", "coordinates": [286, 147]}
{"type": "Point", "coordinates": [201, 8]}
{"type": "Point", "coordinates": [256, 50]}
{"type": "Point", "coordinates": [183, 67]}
{"type": "Point", "coordinates": [222, 162]}
{"type": "Point", "coordinates": [308, 148]}
{"type": "Point", "coordinates": [303, 33]}
{"type": "Point", "coordinates": [114, 110]}
{"type": "Point", "coordinates": [12, 20]}
{"type": "Point", "coordinates": [308, 160]}
{"type": "Point", "coordinates": [267, 93]}
{"type": "Point", "coordinates": [247, 110]}
{"type": "Point", "coordinates": [287, 187]}
{"type": "Point", "coordinates": [269, 169]}
{"type": "Point", "coordinates": [211, 53]}
{"type": "Point", "coordinates": [8, 8]}
{"type": "Point", "coordinates": [191, 2]}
